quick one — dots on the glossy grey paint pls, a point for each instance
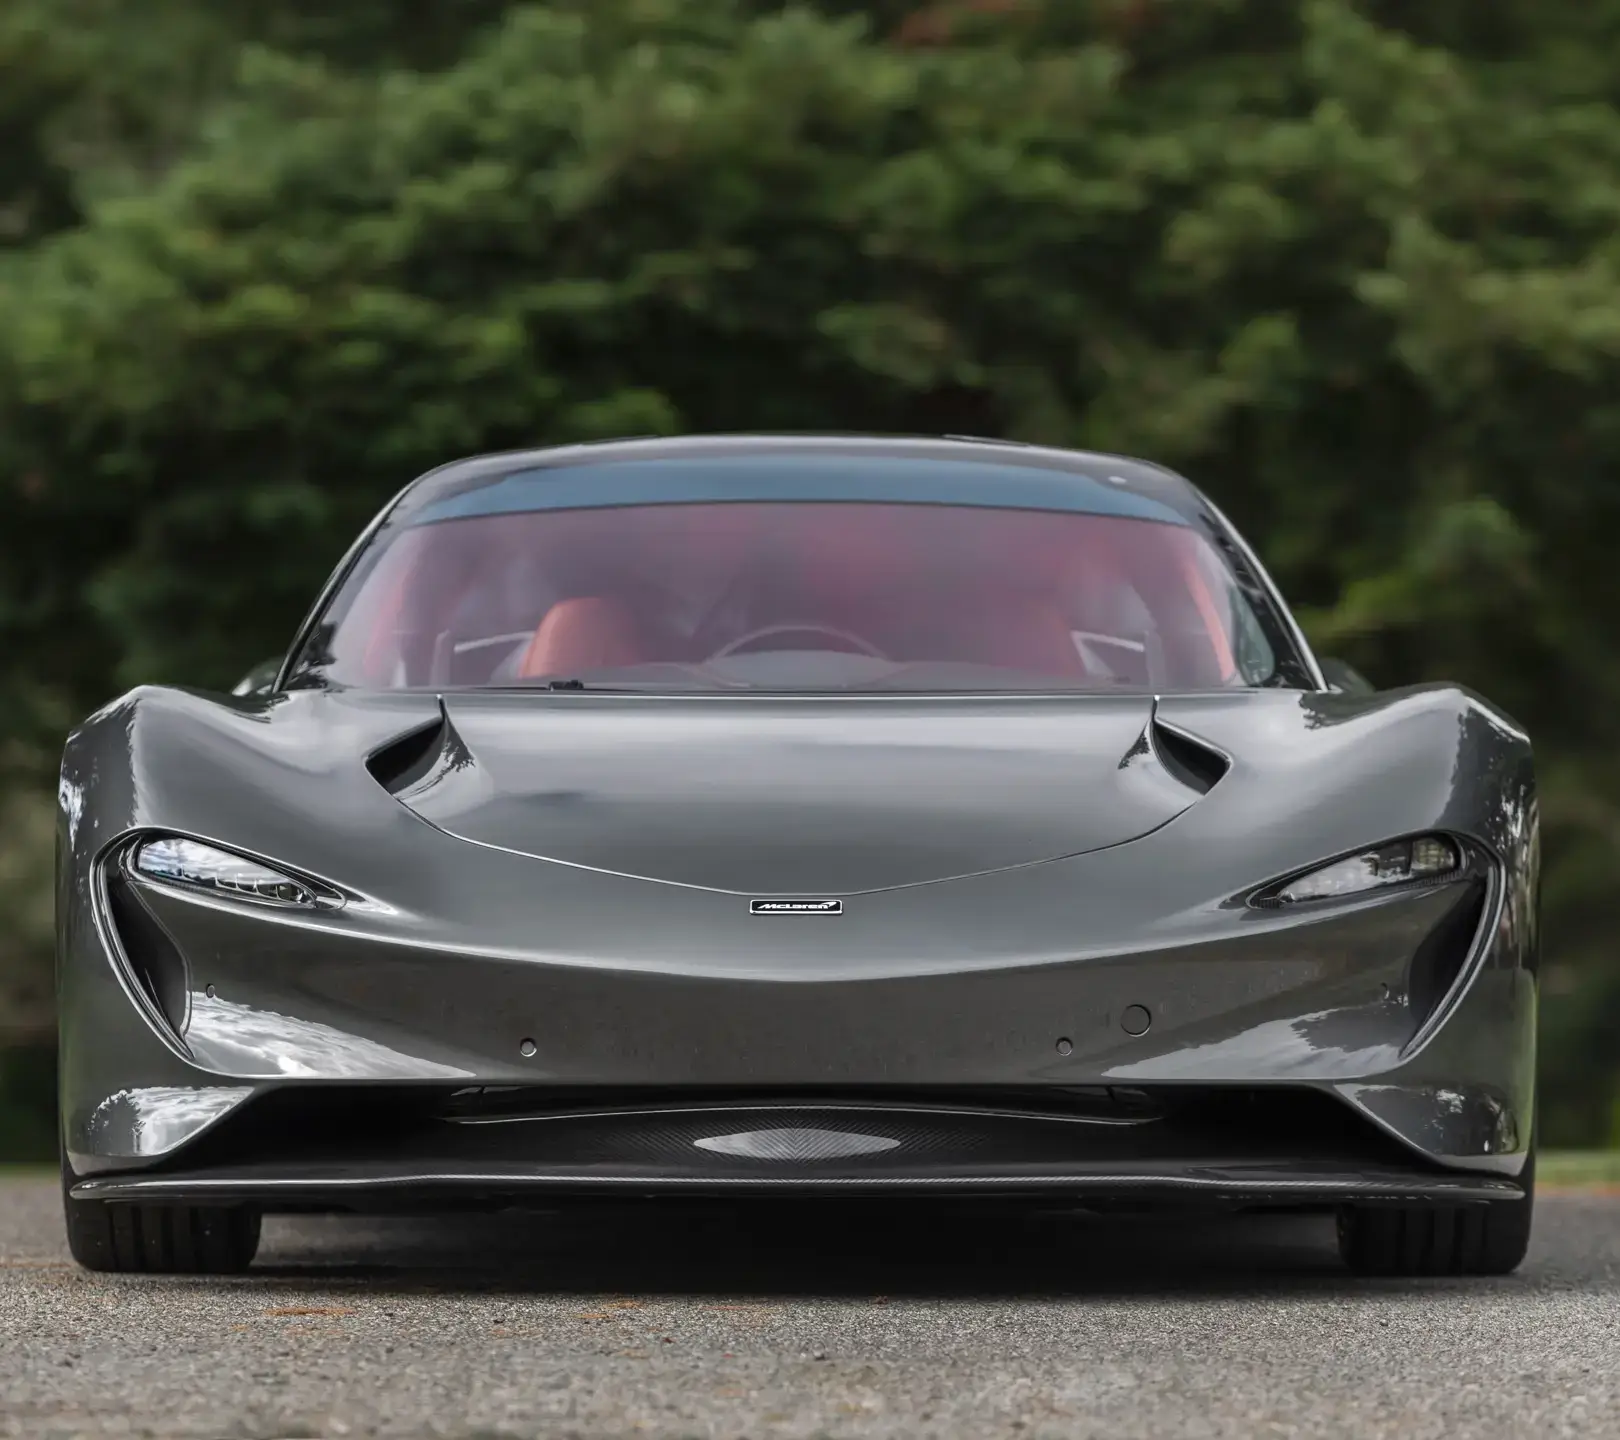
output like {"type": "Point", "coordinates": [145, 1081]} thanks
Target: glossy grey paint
{"type": "Point", "coordinates": [547, 892]}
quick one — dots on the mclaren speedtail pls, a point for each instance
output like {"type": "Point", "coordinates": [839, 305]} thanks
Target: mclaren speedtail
{"type": "Point", "coordinates": [798, 816]}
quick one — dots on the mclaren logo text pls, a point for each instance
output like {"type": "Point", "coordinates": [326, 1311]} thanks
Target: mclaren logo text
{"type": "Point", "coordinates": [795, 907]}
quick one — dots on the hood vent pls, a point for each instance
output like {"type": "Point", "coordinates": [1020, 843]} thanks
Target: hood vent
{"type": "Point", "coordinates": [762, 796]}
{"type": "Point", "coordinates": [409, 759]}
{"type": "Point", "coordinates": [1195, 764]}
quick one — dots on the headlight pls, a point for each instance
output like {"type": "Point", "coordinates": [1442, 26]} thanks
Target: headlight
{"type": "Point", "coordinates": [196, 866]}
{"type": "Point", "coordinates": [1428, 857]}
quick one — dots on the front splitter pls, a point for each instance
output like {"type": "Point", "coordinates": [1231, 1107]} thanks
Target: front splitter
{"type": "Point", "coordinates": [384, 1185]}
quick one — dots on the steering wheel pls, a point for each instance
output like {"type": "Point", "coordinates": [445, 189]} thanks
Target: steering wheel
{"type": "Point", "coordinates": [796, 627]}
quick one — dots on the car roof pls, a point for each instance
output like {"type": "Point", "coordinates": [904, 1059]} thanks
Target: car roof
{"type": "Point", "coordinates": [1140, 477]}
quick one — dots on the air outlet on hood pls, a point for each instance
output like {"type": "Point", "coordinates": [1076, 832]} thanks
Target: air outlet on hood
{"type": "Point", "coordinates": [1195, 764]}
{"type": "Point", "coordinates": [403, 762]}
{"type": "Point", "coordinates": [770, 797]}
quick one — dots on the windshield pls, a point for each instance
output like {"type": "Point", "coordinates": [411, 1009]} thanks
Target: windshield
{"type": "Point", "coordinates": [797, 596]}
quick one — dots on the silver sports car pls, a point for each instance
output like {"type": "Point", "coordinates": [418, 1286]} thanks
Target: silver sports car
{"type": "Point", "coordinates": [798, 816]}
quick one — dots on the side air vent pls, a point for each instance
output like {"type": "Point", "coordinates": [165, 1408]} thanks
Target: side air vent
{"type": "Point", "coordinates": [1192, 762]}
{"type": "Point", "coordinates": [404, 762]}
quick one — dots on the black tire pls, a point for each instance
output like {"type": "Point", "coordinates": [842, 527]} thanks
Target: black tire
{"type": "Point", "coordinates": [121, 1238]}
{"type": "Point", "coordinates": [1483, 1239]}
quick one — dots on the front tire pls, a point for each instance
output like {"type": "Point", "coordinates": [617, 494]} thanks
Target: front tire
{"type": "Point", "coordinates": [114, 1237]}
{"type": "Point", "coordinates": [1484, 1239]}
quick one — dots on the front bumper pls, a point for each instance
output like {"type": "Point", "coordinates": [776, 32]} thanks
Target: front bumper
{"type": "Point", "coordinates": [256, 1009]}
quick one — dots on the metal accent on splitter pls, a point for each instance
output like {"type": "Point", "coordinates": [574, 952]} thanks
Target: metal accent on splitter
{"type": "Point", "coordinates": [801, 1144]}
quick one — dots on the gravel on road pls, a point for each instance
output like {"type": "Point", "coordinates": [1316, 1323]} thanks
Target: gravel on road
{"type": "Point", "coordinates": [675, 1322]}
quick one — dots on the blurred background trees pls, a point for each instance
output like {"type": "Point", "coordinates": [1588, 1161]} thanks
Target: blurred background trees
{"type": "Point", "coordinates": [1354, 265]}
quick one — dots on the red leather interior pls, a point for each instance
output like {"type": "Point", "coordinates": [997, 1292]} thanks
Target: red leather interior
{"type": "Point", "coordinates": [586, 632]}
{"type": "Point", "coordinates": [1030, 636]}
{"type": "Point", "coordinates": [842, 552]}
{"type": "Point", "coordinates": [920, 583]}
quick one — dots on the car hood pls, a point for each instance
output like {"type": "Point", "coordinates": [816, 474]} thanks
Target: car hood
{"type": "Point", "coordinates": [772, 796]}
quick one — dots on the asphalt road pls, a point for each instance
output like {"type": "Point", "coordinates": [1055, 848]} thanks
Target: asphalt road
{"type": "Point", "coordinates": [740, 1323]}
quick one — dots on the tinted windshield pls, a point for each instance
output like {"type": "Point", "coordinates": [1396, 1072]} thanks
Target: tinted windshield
{"type": "Point", "coordinates": [794, 596]}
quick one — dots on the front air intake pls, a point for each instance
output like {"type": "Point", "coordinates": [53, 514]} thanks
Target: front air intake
{"type": "Point", "coordinates": [152, 961]}
{"type": "Point", "coordinates": [1440, 958]}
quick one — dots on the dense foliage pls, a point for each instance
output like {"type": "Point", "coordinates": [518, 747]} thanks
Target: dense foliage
{"type": "Point", "coordinates": [1353, 266]}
